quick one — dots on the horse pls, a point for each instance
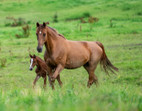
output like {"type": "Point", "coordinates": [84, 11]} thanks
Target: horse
{"type": "Point", "coordinates": [61, 53]}
{"type": "Point", "coordinates": [41, 70]}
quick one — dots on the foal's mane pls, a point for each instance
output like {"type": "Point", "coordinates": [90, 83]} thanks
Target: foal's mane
{"type": "Point", "coordinates": [39, 59]}
{"type": "Point", "coordinates": [55, 31]}
{"type": "Point", "coordinates": [41, 62]}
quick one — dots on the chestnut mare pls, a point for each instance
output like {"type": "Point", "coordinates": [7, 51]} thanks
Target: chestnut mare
{"type": "Point", "coordinates": [41, 70]}
{"type": "Point", "coordinates": [62, 53]}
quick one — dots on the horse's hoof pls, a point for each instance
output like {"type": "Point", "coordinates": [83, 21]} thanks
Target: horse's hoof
{"type": "Point", "coordinates": [90, 82]}
{"type": "Point", "coordinates": [60, 84]}
{"type": "Point", "coordinates": [44, 87]}
{"type": "Point", "coordinates": [97, 84]}
{"type": "Point", "coordinates": [88, 85]}
{"type": "Point", "coordinates": [52, 79]}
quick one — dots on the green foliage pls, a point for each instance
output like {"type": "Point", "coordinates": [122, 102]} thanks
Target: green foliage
{"type": "Point", "coordinates": [55, 18]}
{"type": "Point", "coordinates": [121, 37]}
{"type": "Point", "coordinates": [11, 21]}
{"type": "Point", "coordinates": [25, 32]}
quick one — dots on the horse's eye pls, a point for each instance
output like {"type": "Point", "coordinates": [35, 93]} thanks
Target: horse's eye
{"type": "Point", "coordinates": [44, 34]}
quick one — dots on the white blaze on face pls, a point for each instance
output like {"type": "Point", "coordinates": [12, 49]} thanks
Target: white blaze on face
{"type": "Point", "coordinates": [39, 32]}
{"type": "Point", "coordinates": [31, 63]}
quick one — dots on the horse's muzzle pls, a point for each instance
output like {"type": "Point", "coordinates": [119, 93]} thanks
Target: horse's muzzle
{"type": "Point", "coordinates": [39, 49]}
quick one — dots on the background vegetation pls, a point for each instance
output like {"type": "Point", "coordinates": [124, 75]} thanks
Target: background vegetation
{"type": "Point", "coordinates": [117, 24]}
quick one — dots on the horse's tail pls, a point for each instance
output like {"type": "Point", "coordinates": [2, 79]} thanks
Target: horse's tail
{"type": "Point", "coordinates": [105, 62]}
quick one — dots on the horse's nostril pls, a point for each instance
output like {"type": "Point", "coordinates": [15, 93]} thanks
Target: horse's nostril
{"type": "Point", "coordinates": [39, 49]}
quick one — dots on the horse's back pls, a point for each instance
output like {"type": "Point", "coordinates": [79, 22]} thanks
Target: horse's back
{"type": "Point", "coordinates": [87, 45]}
{"type": "Point", "coordinates": [85, 50]}
{"type": "Point", "coordinates": [81, 52]}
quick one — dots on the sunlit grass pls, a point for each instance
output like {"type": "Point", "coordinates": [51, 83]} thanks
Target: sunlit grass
{"type": "Point", "coordinates": [122, 42]}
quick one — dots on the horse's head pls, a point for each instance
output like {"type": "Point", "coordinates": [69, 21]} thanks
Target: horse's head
{"type": "Point", "coordinates": [33, 62]}
{"type": "Point", "coordinates": [41, 33]}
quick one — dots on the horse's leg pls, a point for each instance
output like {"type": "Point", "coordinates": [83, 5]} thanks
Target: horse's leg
{"type": "Point", "coordinates": [51, 83]}
{"type": "Point", "coordinates": [59, 80]}
{"type": "Point", "coordinates": [45, 78]}
{"type": "Point", "coordinates": [57, 71]}
{"type": "Point", "coordinates": [49, 78]}
{"type": "Point", "coordinates": [37, 77]}
{"type": "Point", "coordinates": [92, 77]}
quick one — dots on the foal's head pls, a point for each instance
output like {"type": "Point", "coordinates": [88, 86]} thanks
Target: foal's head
{"type": "Point", "coordinates": [41, 33]}
{"type": "Point", "coordinates": [33, 62]}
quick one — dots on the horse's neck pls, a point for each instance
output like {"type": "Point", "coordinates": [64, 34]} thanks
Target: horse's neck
{"type": "Point", "coordinates": [51, 41]}
{"type": "Point", "coordinates": [49, 45]}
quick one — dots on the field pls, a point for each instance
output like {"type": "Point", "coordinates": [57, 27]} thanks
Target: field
{"type": "Point", "coordinates": [119, 28]}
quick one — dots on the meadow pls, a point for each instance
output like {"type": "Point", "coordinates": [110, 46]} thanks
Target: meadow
{"type": "Point", "coordinates": [119, 28]}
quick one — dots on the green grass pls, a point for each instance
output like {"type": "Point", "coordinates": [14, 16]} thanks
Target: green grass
{"type": "Point", "coordinates": [123, 45]}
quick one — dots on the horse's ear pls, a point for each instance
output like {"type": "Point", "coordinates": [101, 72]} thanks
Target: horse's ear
{"type": "Point", "coordinates": [44, 24]}
{"type": "Point", "coordinates": [30, 55]}
{"type": "Point", "coordinates": [47, 23]}
{"type": "Point", "coordinates": [37, 24]}
{"type": "Point", "coordinates": [34, 56]}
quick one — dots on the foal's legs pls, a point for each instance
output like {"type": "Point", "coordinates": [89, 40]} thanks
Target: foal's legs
{"type": "Point", "coordinates": [37, 77]}
{"type": "Point", "coordinates": [45, 78]}
{"type": "Point", "coordinates": [92, 77]}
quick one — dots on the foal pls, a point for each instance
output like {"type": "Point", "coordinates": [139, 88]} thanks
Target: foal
{"type": "Point", "coordinates": [41, 69]}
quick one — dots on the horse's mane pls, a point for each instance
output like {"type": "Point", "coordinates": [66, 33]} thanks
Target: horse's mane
{"type": "Point", "coordinates": [54, 30]}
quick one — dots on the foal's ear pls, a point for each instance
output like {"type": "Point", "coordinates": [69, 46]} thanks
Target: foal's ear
{"type": "Point", "coordinates": [30, 55]}
{"type": "Point", "coordinates": [34, 56]}
{"type": "Point", "coordinates": [37, 24]}
{"type": "Point", "coordinates": [44, 24]}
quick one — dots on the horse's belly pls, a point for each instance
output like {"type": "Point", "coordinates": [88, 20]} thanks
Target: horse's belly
{"type": "Point", "coordinates": [76, 62]}
{"type": "Point", "coordinates": [73, 65]}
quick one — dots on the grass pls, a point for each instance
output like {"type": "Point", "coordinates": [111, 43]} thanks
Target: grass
{"type": "Point", "coordinates": [122, 41]}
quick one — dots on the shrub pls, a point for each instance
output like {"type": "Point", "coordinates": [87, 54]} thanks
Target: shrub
{"type": "Point", "coordinates": [86, 14]}
{"type": "Point", "coordinates": [55, 18]}
{"type": "Point", "coordinates": [82, 20]}
{"type": "Point", "coordinates": [93, 19]}
{"type": "Point", "coordinates": [13, 22]}
{"type": "Point", "coordinates": [78, 17]}
{"type": "Point", "coordinates": [139, 13]}
{"type": "Point", "coordinates": [25, 32]}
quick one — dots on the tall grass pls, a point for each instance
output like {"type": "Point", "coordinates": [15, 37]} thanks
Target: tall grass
{"type": "Point", "coordinates": [122, 41]}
